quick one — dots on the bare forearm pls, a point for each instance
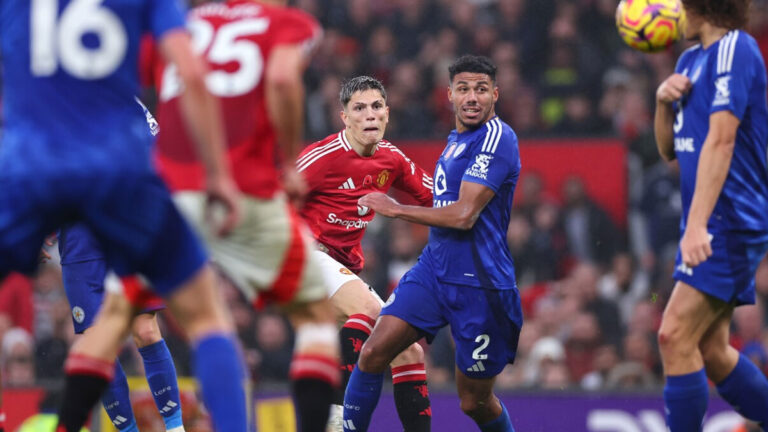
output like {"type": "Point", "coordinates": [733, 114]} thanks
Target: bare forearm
{"type": "Point", "coordinates": [451, 216]}
{"type": "Point", "coordinates": [714, 163]}
{"type": "Point", "coordinates": [203, 117]}
{"type": "Point", "coordinates": [663, 130]}
{"type": "Point", "coordinates": [285, 103]}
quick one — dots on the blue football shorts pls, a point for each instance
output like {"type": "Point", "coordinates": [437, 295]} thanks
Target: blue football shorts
{"type": "Point", "coordinates": [130, 213]}
{"type": "Point", "coordinates": [485, 323]}
{"type": "Point", "coordinates": [729, 274]}
{"type": "Point", "coordinates": [83, 270]}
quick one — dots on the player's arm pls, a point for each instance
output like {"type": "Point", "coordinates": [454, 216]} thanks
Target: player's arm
{"type": "Point", "coordinates": [473, 197]}
{"type": "Point", "coordinates": [203, 116]}
{"type": "Point", "coordinates": [671, 90]}
{"type": "Point", "coordinates": [415, 182]}
{"type": "Point", "coordinates": [711, 172]}
{"type": "Point", "coordinates": [284, 89]}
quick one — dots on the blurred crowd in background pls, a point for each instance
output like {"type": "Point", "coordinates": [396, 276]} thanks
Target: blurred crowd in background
{"type": "Point", "coordinates": [592, 288]}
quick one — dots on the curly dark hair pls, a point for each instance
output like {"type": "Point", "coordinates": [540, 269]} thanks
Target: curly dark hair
{"type": "Point", "coordinates": [730, 14]}
{"type": "Point", "coordinates": [474, 64]}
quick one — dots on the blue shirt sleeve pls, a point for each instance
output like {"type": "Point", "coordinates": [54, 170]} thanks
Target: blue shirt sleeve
{"type": "Point", "coordinates": [733, 75]}
{"type": "Point", "coordinates": [164, 15]}
{"type": "Point", "coordinates": [494, 161]}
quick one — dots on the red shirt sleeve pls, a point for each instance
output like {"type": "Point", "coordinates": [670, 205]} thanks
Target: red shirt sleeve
{"type": "Point", "coordinates": [414, 181]}
{"type": "Point", "coordinates": [298, 27]}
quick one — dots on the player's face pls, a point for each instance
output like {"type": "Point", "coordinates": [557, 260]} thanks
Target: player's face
{"type": "Point", "coordinates": [692, 27]}
{"type": "Point", "coordinates": [473, 96]}
{"type": "Point", "coordinates": [366, 116]}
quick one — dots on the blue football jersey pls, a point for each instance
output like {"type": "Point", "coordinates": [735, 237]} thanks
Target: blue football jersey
{"type": "Point", "coordinates": [70, 75]}
{"type": "Point", "coordinates": [728, 75]}
{"type": "Point", "coordinates": [480, 256]}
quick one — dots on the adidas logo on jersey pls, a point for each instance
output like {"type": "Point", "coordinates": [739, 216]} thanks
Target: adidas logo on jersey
{"type": "Point", "coordinates": [477, 367]}
{"type": "Point", "coordinates": [349, 184]}
{"type": "Point", "coordinates": [348, 425]}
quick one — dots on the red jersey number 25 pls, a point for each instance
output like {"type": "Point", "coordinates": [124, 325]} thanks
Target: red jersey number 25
{"type": "Point", "coordinates": [223, 46]}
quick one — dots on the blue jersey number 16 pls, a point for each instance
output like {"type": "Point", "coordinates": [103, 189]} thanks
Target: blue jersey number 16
{"type": "Point", "coordinates": [59, 40]}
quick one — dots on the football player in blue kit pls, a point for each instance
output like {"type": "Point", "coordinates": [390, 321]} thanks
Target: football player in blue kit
{"type": "Point", "coordinates": [711, 116]}
{"type": "Point", "coordinates": [83, 271]}
{"type": "Point", "coordinates": [75, 148]}
{"type": "Point", "coordinates": [464, 276]}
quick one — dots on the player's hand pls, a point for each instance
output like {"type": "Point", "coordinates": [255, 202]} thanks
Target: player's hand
{"type": "Point", "coordinates": [695, 246]}
{"type": "Point", "coordinates": [294, 185]}
{"type": "Point", "coordinates": [381, 203]}
{"type": "Point", "coordinates": [48, 242]}
{"type": "Point", "coordinates": [223, 193]}
{"type": "Point", "coordinates": [673, 88]}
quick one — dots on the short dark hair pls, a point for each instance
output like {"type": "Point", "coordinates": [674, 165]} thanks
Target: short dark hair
{"type": "Point", "coordinates": [730, 14]}
{"type": "Point", "coordinates": [474, 64]}
{"type": "Point", "coordinates": [358, 84]}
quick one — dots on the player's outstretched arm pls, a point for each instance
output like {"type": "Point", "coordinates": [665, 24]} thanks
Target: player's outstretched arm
{"type": "Point", "coordinates": [203, 116]}
{"type": "Point", "coordinates": [671, 90]}
{"type": "Point", "coordinates": [473, 197]}
{"type": "Point", "coordinates": [714, 163]}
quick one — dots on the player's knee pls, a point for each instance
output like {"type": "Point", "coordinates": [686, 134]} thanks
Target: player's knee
{"type": "Point", "coordinates": [373, 358]}
{"type": "Point", "coordinates": [474, 407]}
{"type": "Point", "coordinates": [671, 340]}
{"type": "Point", "coordinates": [371, 308]}
{"type": "Point", "coordinates": [146, 332]}
{"type": "Point", "coordinates": [411, 355]}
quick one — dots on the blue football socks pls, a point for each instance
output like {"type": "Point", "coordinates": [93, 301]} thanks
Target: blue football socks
{"type": "Point", "coordinates": [501, 424]}
{"type": "Point", "coordinates": [360, 399]}
{"type": "Point", "coordinates": [746, 389]}
{"type": "Point", "coordinates": [161, 376]}
{"type": "Point", "coordinates": [117, 402]}
{"type": "Point", "coordinates": [219, 368]}
{"type": "Point", "coordinates": [686, 398]}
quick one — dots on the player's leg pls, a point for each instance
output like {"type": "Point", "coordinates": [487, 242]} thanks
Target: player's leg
{"type": "Point", "coordinates": [410, 390]}
{"type": "Point", "coordinates": [738, 380]}
{"type": "Point", "coordinates": [83, 271]}
{"type": "Point", "coordinates": [218, 366]}
{"type": "Point", "coordinates": [480, 404]}
{"type": "Point", "coordinates": [360, 306]}
{"type": "Point", "coordinates": [687, 317]}
{"type": "Point", "coordinates": [485, 325]}
{"type": "Point", "coordinates": [354, 303]}
{"type": "Point", "coordinates": [390, 336]}
{"type": "Point", "coordinates": [90, 363]}
{"type": "Point", "coordinates": [412, 311]}
{"type": "Point", "coordinates": [159, 369]}
{"type": "Point", "coordinates": [314, 368]}
{"type": "Point", "coordinates": [147, 235]}
{"type": "Point", "coordinates": [269, 256]}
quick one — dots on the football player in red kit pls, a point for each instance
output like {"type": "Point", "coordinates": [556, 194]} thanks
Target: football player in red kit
{"type": "Point", "coordinates": [339, 170]}
{"type": "Point", "coordinates": [257, 53]}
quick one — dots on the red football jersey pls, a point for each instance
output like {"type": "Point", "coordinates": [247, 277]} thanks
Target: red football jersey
{"type": "Point", "coordinates": [236, 38]}
{"type": "Point", "coordinates": [337, 177]}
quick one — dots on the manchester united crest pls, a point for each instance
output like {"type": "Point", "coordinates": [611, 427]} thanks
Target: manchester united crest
{"type": "Point", "coordinates": [381, 180]}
